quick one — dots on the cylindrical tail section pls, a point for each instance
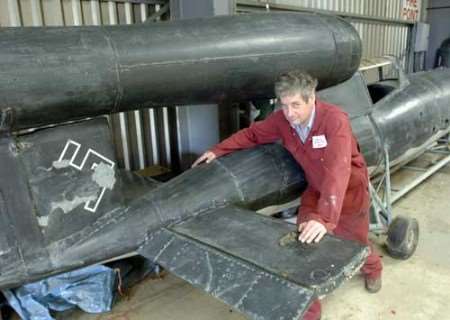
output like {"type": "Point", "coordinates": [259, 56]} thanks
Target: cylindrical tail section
{"type": "Point", "coordinates": [56, 74]}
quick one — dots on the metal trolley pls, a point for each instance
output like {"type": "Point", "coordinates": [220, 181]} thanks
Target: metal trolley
{"type": "Point", "coordinates": [402, 232]}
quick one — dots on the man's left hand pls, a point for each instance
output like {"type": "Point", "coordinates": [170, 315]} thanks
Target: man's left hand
{"type": "Point", "coordinates": [311, 231]}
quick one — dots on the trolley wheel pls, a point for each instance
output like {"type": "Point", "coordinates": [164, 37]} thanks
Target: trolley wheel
{"type": "Point", "coordinates": [403, 236]}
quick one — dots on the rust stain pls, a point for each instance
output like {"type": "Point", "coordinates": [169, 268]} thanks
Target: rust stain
{"type": "Point", "coordinates": [291, 237]}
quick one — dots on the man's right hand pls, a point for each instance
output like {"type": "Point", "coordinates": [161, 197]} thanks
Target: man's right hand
{"type": "Point", "coordinates": [207, 157]}
{"type": "Point", "coordinates": [311, 231]}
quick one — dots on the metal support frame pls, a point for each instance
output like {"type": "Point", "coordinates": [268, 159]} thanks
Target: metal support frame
{"type": "Point", "coordinates": [252, 5]}
{"type": "Point", "coordinates": [381, 210]}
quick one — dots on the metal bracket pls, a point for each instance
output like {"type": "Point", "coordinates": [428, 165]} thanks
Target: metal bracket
{"type": "Point", "coordinates": [402, 77]}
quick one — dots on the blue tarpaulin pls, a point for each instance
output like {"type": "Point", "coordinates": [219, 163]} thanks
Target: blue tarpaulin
{"type": "Point", "coordinates": [91, 289]}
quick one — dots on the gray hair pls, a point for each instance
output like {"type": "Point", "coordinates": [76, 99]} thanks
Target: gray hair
{"type": "Point", "coordinates": [294, 82]}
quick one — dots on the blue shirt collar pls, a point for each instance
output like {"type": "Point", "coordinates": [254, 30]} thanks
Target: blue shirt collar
{"type": "Point", "coordinates": [310, 121]}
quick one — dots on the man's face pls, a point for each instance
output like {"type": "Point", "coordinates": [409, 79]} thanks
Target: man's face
{"type": "Point", "coordinates": [296, 110]}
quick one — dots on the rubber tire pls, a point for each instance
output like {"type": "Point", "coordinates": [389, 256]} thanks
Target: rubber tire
{"type": "Point", "coordinates": [403, 237]}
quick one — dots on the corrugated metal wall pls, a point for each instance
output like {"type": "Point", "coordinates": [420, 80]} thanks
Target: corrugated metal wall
{"type": "Point", "coordinates": [394, 9]}
{"type": "Point", "coordinates": [382, 24]}
{"type": "Point", "coordinates": [381, 39]}
{"type": "Point", "coordinates": [142, 138]}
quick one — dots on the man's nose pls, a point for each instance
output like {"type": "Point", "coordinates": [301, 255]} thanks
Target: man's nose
{"type": "Point", "coordinates": [290, 112]}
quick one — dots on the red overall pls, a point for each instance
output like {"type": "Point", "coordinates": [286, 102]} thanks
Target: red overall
{"type": "Point", "coordinates": [337, 193]}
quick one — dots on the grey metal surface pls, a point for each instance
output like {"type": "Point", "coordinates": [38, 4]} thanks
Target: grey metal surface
{"type": "Point", "coordinates": [256, 239]}
{"type": "Point", "coordinates": [110, 69]}
{"type": "Point", "coordinates": [16, 218]}
{"type": "Point", "coordinates": [61, 170]}
{"type": "Point", "coordinates": [52, 180]}
{"type": "Point", "coordinates": [412, 115]}
{"type": "Point", "coordinates": [60, 188]}
{"type": "Point", "coordinates": [253, 291]}
{"type": "Point", "coordinates": [61, 178]}
{"type": "Point", "coordinates": [236, 256]}
{"type": "Point", "coordinates": [406, 119]}
{"type": "Point", "coordinates": [84, 210]}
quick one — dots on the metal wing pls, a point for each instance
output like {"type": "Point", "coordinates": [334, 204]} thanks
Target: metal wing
{"type": "Point", "coordinates": [246, 260]}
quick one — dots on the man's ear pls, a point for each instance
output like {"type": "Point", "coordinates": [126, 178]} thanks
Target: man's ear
{"type": "Point", "coordinates": [312, 98]}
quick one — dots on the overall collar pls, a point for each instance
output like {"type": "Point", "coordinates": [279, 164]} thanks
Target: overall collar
{"type": "Point", "coordinates": [318, 117]}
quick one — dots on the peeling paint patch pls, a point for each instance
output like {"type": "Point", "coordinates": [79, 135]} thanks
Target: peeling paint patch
{"type": "Point", "coordinates": [68, 205]}
{"type": "Point", "coordinates": [43, 221]}
{"type": "Point", "coordinates": [5, 252]}
{"type": "Point", "coordinates": [24, 145]}
{"type": "Point", "coordinates": [60, 164]}
{"type": "Point", "coordinates": [13, 149]}
{"type": "Point", "coordinates": [289, 238]}
{"type": "Point", "coordinates": [44, 169]}
{"type": "Point", "coordinates": [104, 176]}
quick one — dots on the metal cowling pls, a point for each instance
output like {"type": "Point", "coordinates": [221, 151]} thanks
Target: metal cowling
{"type": "Point", "coordinates": [56, 74]}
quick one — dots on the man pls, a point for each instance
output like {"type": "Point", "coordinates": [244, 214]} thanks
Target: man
{"type": "Point", "coordinates": [320, 138]}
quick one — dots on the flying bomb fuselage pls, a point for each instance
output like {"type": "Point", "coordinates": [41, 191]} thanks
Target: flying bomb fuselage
{"type": "Point", "coordinates": [57, 74]}
{"type": "Point", "coordinates": [74, 212]}
{"type": "Point", "coordinates": [404, 122]}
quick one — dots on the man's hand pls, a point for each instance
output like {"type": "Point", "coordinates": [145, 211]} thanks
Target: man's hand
{"type": "Point", "coordinates": [311, 231]}
{"type": "Point", "coordinates": [207, 157]}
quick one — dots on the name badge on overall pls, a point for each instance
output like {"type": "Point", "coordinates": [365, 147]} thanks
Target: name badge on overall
{"type": "Point", "coordinates": [319, 142]}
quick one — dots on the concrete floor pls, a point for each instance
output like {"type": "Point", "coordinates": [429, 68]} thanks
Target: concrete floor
{"type": "Point", "coordinates": [418, 288]}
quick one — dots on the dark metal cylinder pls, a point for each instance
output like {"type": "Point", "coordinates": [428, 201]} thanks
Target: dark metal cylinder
{"type": "Point", "coordinates": [55, 74]}
{"type": "Point", "coordinates": [410, 118]}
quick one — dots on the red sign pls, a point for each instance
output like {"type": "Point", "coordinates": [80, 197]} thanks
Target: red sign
{"type": "Point", "coordinates": [410, 9]}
